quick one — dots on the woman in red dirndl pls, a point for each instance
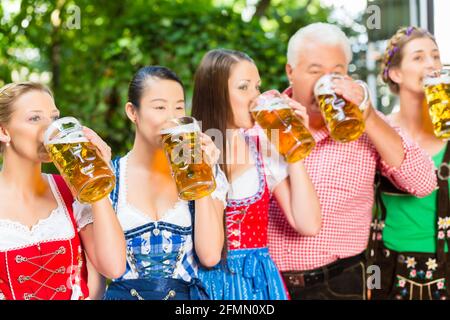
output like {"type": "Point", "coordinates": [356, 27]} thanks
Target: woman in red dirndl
{"type": "Point", "coordinates": [44, 232]}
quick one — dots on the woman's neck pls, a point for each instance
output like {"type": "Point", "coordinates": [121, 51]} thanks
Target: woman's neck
{"type": "Point", "coordinates": [22, 175]}
{"type": "Point", "coordinates": [143, 155]}
{"type": "Point", "coordinates": [413, 114]}
{"type": "Point", "coordinates": [237, 151]}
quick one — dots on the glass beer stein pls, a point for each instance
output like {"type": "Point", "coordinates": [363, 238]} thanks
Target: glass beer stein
{"type": "Point", "coordinates": [437, 93]}
{"type": "Point", "coordinates": [344, 119]}
{"type": "Point", "coordinates": [283, 128]}
{"type": "Point", "coordinates": [88, 176]}
{"type": "Point", "coordinates": [181, 142]}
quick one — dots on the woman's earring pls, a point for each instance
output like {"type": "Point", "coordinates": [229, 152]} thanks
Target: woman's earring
{"type": "Point", "coordinates": [7, 144]}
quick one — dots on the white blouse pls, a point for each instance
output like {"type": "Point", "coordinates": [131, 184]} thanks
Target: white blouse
{"type": "Point", "coordinates": [275, 169]}
{"type": "Point", "coordinates": [131, 217]}
{"type": "Point", "coordinates": [57, 226]}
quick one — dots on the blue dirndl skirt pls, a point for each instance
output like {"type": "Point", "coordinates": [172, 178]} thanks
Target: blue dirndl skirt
{"type": "Point", "coordinates": [156, 289]}
{"type": "Point", "coordinates": [247, 274]}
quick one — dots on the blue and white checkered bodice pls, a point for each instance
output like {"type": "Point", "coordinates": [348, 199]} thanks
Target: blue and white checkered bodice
{"type": "Point", "coordinates": [155, 249]}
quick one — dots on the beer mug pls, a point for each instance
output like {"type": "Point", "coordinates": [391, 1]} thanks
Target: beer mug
{"type": "Point", "coordinates": [344, 119]}
{"type": "Point", "coordinates": [88, 176]}
{"type": "Point", "coordinates": [181, 142]}
{"type": "Point", "coordinates": [283, 128]}
{"type": "Point", "coordinates": [437, 92]}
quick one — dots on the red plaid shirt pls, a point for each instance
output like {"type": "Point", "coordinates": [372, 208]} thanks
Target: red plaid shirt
{"type": "Point", "coordinates": [343, 176]}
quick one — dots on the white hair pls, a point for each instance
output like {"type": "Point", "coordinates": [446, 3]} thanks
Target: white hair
{"type": "Point", "coordinates": [319, 32]}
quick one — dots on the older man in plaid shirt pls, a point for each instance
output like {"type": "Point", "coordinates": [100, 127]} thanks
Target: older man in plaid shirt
{"type": "Point", "coordinates": [331, 265]}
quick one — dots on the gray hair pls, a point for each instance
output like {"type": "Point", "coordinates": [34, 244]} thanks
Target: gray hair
{"type": "Point", "coordinates": [319, 32]}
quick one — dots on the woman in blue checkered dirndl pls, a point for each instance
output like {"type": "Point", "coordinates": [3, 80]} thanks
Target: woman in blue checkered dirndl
{"type": "Point", "coordinates": [162, 259]}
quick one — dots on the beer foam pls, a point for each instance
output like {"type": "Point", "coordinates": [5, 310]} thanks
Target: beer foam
{"type": "Point", "coordinates": [185, 128]}
{"type": "Point", "coordinates": [271, 104]}
{"type": "Point", "coordinates": [323, 87]}
{"type": "Point", "coordinates": [430, 81]}
{"type": "Point", "coordinates": [323, 90]}
{"type": "Point", "coordinates": [71, 137]}
{"type": "Point", "coordinates": [67, 140]}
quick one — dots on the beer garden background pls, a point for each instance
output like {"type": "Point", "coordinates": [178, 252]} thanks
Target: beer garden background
{"type": "Point", "coordinates": [87, 51]}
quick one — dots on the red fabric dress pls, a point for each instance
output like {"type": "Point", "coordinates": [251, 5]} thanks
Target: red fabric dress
{"type": "Point", "coordinates": [47, 270]}
{"type": "Point", "coordinates": [249, 272]}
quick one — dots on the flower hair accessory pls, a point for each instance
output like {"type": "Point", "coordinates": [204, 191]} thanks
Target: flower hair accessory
{"type": "Point", "coordinates": [409, 30]}
{"type": "Point", "coordinates": [394, 50]}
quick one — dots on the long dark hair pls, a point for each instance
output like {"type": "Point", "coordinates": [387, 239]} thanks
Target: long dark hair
{"type": "Point", "coordinates": [138, 83]}
{"type": "Point", "coordinates": [211, 101]}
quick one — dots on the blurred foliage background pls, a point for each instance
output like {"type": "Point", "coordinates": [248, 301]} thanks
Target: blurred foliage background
{"type": "Point", "coordinates": [87, 51]}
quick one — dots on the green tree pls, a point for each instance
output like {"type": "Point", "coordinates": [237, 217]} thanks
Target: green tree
{"type": "Point", "coordinates": [89, 67]}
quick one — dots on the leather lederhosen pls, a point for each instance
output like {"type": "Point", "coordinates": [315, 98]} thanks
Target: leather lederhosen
{"type": "Point", "coordinates": [412, 275]}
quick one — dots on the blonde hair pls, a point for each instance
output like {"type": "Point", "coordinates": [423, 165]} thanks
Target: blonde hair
{"type": "Point", "coordinates": [393, 54]}
{"type": "Point", "coordinates": [9, 95]}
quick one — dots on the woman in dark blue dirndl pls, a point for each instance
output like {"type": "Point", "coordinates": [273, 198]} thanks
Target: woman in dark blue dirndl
{"type": "Point", "coordinates": [162, 256]}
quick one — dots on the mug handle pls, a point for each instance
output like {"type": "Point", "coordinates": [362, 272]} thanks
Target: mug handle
{"type": "Point", "coordinates": [364, 103]}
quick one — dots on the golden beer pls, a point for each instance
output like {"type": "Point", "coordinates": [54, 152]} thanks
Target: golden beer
{"type": "Point", "coordinates": [283, 128]}
{"type": "Point", "coordinates": [181, 142]}
{"type": "Point", "coordinates": [85, 172]}
{"type": "Point", "coordinates": [437, 92]}
{"type": "Point", "coordinates": [344, 119]}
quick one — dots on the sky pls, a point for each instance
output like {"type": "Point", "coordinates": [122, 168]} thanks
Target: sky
{"type": "Point", "coordinates": [442, 28]}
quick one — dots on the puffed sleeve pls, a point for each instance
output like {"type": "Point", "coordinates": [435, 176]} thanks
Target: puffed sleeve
{"type": "Point", "coordinates": [416, 174]}
{"type": "Point", "coordinates": [83, 214]}
{"type": "Point", "coordinates": [222, 186]}
{"type": "Point", "coordinates": [275, 167]}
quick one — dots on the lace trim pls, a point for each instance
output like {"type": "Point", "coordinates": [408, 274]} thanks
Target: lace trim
{"type": "Point", "coordinates": [123, 196]}
{"type": "Point", "coordinates": [261, 174]}
{"type": "Point", "coordinates": [83, 215]}
{"type": "Point", "coordinates": [21, 228]}
{"type": "Point", "coordinates": [222, 187]}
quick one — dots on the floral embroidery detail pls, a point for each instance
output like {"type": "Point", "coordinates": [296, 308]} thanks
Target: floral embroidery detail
{"type": "Point", "coordinates": [448, 233]}
{"type": "Point", "coordinates": [401, 283]}
{"type": "Point", "coordinates": [431, 264]}
{"type": "Point", "coordinates": [442, 223]}
{"type": "Point", "coordinates": [413, 273]}
{"type": "Point", "coordinates": [440, 285]}
{"type": "Point", "coordinates": [379, 236]}
{"type": "Point", "coordinates": [447, 222]}
{"type": "Point", "coordinates": [441, 234]}
{"type": "Point", "coordinates": [410, 262]}
{"type": "Point", "coordinates": [429, 274]}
